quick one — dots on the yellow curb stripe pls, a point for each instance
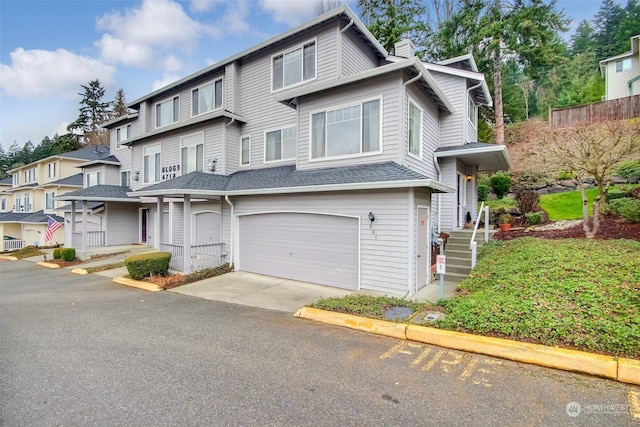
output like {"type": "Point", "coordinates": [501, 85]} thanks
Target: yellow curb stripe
{"type": "Point", "coordinates": [626, 370]}
{"type": "Point", "coordinates": [634, 405]}
{"type": "Point", "coordinates": [48, 265]}
{"type": "Point", "coordinates": [79, 271]}
{"type": "Point", "coordinates": [151, 287]}
{"type": "Point", "coordinates": [8, 258]}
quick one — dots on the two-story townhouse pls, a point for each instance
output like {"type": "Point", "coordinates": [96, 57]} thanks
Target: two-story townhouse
{"type": "Point", "coordinates": [310, 156]}
{"type": "Point", "coordinates": [622, 73]}
{"type": "Point", "coordinates": [29, 201]}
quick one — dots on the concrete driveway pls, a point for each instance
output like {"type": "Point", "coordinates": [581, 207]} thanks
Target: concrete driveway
{"type": "Point", "coordinates": [256, 290]}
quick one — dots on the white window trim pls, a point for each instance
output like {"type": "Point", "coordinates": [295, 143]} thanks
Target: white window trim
{"type": "Point", "coordinates": [284, 52]}
{"type": "Point", "coordinates": [622, 62]}
{"type": "Point", "coordinates": [420, 133]}
{"type": "Point", "coordinates": [155, 111]}
{"type": "Point", "coordinates": [124, 129]}
{"type": "Point", "coordinates": [182, 145]}
{"type": "Point", "coordinates": [53, 194]}
{"type": "Point", "coordinates": [211, 82]}
{"type": "Point", "coordinates": [264, 145]}
{"type": "Point", "coordinates": [55, 169]}
{"type": "Point", "coordinates": [347, 156]}
{"type": "Point", "coordinates": [244, 165]}
{"type": "Point", "coordinates": [130, 176]}
{"type": "Point", "coordinates": [159, 146]}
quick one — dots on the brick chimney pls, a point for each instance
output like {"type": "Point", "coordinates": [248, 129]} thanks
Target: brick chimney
{"type": "Point", "coordinates": [405, 49]}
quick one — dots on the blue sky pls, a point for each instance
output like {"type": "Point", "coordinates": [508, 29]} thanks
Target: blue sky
{"type": "Point", "coordinates": [48, 48]}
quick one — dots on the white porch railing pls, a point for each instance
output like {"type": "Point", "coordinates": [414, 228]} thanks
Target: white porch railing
{"type": "Point", "coordinates": [202, 256]}
{"type": "Point", "coordinates": [474, 245]}
{"type": "Point", "coordinates": [94, 238]}
{"type": "Point", "coordinates": [12, 245]}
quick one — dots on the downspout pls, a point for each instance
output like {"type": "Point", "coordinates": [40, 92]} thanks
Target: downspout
{"type": "Point", "coordinates": [404, 106]}
{"type": "Point", "coordinates": [231, 229]}
{"type": "Point", "coordinates": [339, 68]}
{"type": "Point", "coordinates": [435, 163]}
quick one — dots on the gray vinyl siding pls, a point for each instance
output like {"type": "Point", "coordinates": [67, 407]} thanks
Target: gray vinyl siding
{"type": "Point", "coordinates": [111, 175]}
{"type": "Point", "coordinates": [231, 149]}
{"type": "Point", "coordinates": [448, 200]}
{"type": "Point", "coordinates": [617, 82]}
{"type": "Point", "coordinates": [230, 87]}
{"type": "Point", "coordinates": [387, 88]}
{"type": "Point", "coordinates": [355, 58]}
{"type": "Point", "coordinates": [422, 198]}
{"type": "Point", "coordinates": [384, 255]}
{"type": "Point", "coordinates": [452, 126]}
{"type": "Point", "coordinates": [430, 134]}
{"type": "Point", "coordinates": [120, 221]}
{"type": "Point", "coordinates": [177, 223]}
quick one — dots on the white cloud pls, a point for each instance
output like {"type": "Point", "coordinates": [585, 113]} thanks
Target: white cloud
{"type": "Point", "coordinates": [291, 12]}
{"type": "Point", "coordinates": [34, 73]}
{"type": "Point", "coordinates": [166, 79]}
{"type": "Point", "coordinates": [144, 35]}
{"type": "Point", "coordinates": [205, 5]}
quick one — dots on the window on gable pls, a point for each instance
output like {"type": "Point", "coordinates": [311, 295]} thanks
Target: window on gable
{"type": "Point", "coordinates": [415, 129]}
{"type": "Point", "coordinates": [294, 66]}
{"type": "Point", "coordinates": [345, 131]}
{"type": "Point", "coordinates": [192, 153]}
{"type": "Point", "coordinates": [280, 144]}
{"type": "Point", "coordinates": [206, 98]}
{"type": "Point", "coordinates": [152, 164]}
{"type": "Point", "coordinates": [167, 112]}
{"type": "Point", "coordinates": [245, 150]}
{"type": "Point", "coordinates": [93, 178]}
{"type": "Point", "coordinates": [49, 204]}
{"type": "Point", "coordinates": [16, 179]}
{"type": "Point", "coordinates": [472, 112]}
{"type": "Point", "coordinates": [52, 169]}
{"type": "Point", "coordinates": [623, 65]}
{"type": "Point", "coordinates": [123, 134]}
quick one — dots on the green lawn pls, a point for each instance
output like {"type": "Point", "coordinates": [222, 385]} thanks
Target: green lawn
{"type": "Point", "coordinates": [566, 205]}
{"type": "Point", "coordinates": [578, 293]}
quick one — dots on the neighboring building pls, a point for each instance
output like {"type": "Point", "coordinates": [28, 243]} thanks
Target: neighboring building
{"type": "Point", "coordinates": [27, 198]}
{"type": "Point", "coordinates": [314, 156]}
{"type": "Point", "coordinates": [622, 73]}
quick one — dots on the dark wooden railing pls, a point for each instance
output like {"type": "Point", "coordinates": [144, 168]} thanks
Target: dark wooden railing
{"type": "Point", "coordinates": [615, 109]}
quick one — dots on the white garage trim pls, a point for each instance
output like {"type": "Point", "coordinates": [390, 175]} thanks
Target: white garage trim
{"type": "Point", "coordinates": [236, 236]}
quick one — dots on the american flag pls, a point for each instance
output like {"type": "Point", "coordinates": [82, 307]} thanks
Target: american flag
{"type": "Point", "coordinates": [52, 226]}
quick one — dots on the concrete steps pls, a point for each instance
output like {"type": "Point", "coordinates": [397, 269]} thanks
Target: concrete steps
{"type": "Point", "coordinates": [458, 252]}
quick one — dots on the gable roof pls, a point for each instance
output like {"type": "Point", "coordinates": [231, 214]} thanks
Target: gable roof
{"type": "Point", "coordinates": [635, 47]}
{"type": "Point", "coordinates": [435, 93]}
{"type": "Point", "coordinates": [100, 193]}
{"type": "Point", "coordinates": [6, 181]}
{"type": "Point", "coordinates": [107, 160]}
{"type": "Point", "coordinates": [89, 153]}
{"type": "Point", "coordinates": [464, 62]}
{"type": "Point", "coordinates": [286, 179]}
{"type": "Point", "coordinates": [73, 180]}
{"type": "Point", "coordinates": [340, 12]}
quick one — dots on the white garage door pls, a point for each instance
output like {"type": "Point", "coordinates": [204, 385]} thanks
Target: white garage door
{"type": "Point", "coordinates": [312, 248]}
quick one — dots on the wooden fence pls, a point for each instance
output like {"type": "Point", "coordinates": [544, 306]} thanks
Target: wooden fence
{"type": "Point", "coordinates": [615, 109]}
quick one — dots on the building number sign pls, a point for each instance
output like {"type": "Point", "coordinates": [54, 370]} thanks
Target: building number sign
{"type": "Point", "coordinates": [170, 172]}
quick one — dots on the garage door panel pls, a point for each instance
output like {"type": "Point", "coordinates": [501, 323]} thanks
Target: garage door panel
{"type": "Point", "coordinates": [313, 248]}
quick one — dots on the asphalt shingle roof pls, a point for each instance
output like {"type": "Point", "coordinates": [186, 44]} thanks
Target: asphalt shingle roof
{"type": "Point", "coordinates": [193, 181]}
{"type": "Point", "coordinates": [76, 179]}
{"type": "Point", "coordinates": [34, 217]}
{"type": "Point", "coordinates": [90, 206]}
{"type": "Point", "coordinates": [89, 153]}
{"type": "Point", "coordinates": [99, 192]}
{"type": "Point", "coordinates": [6, 181]}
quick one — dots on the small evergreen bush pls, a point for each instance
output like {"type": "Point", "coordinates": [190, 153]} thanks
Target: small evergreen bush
{"type": "Point", "coordinates": [145, 265]}
{"type": "Point", "coordinates": [501, 184]}
{"type": "Point", "coordinates": [56, 253]}
{"type": "Point", "coordinates": [533, 218]}
{"type": "Point", "coordinates": [627, 208]}
{"type": "Point", "coordinates": [629, 170]}
{"type": "Point", "coordinates": [68, 254]}
{"type": "Point", "coordinates": [483, 192]}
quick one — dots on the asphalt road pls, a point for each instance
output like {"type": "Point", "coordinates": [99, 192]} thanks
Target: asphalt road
{"type": "Point", "coordinates": [79, 351]}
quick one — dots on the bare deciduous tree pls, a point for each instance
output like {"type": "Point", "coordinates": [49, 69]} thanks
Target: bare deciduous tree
{"type": "Point", "coordinates": [324, 6]}
{"type": "Point", "coordinates": [597, 151]}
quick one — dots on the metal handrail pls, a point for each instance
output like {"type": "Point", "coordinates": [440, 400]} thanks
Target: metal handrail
{"type": "Point", "coordinates": [474, 245]}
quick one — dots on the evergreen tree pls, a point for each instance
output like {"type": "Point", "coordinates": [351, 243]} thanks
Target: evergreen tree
{"type": "Point", "coordinates": [607, 21]}
{"type": "Point", "coordinates": [120, 105]}
{"type": "Point", "coordinates": [584, 38]}
{"type": "Point", "coordinates": [93, 111]}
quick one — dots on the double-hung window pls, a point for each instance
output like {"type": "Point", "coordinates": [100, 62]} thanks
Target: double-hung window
{"type": "Point", "coordinates": [152, 164]}
{"type": "Point", "coordinates": [167, 112]}
{"type": "Point", "coordinates": [415, 130]}
{"type": "Point", "coordinates": [52, 169]}
{"type": "Point", "coordinates": [123, 134]}
{"type": "Point", "coordinates": [192, 153]}
{"type": "Point", "coordinates": [294, 66]}
{"type": "Point", "coordinates": [49, 195]}
{"type": "Point", "coordinates": [3, 203]}
{"type": "Point", "coordinates": [93, 178]}
{"type": "Point", "coordinates": [346, 131]}
{"type": "Point", "coordinates": [206, 98]}
{"type": "Point", "coordinates": [27, 202]}
{"type": "Point", "coordinates": [16, 179]}
{"type": "Point", "coordinates": [125, 178]}
{"type": "Point", "coordinates": [245, 150]}
{"type": "Point", "coordinates": [623, 65]}
{"type": "Point", "coordinates": [280, 144]}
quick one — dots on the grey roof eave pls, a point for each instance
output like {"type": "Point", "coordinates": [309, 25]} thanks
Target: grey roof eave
{"type": "Point", "coordinates": [123, 118]}
{"type": "Point", "coordinates": [480, 154]}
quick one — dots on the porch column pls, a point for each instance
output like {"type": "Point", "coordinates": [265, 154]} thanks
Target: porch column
{"type": "Point", "coordinates": [73, 221]}
{"type": "Point", "coordinates": [187, 233]}
{"type": "Point", "coordinates": [160, 222]}
{"type": "Point", "coordinates": [84, 226]}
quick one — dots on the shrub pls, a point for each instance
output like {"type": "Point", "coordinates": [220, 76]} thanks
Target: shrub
{"type": "Point", "coordinates": [627, 208]}
{"type": "Point", "coordinates": [145, 265]}
{"type": "Point", "coordinates": [629, 169]}
{"type": "Point", "coordinates": [68, 254]}
{"type": "Point", "coordinates": [500, 183]}
{"type": "Point", "coordinates": [533, 218]}
{"type": "Point", "coordinates": [483, 192]}
{"type": "Point", "coordinates": [562, 175]}
{"type": "Point", "coordinates": [614, 195]}
{"type": "Point", "coordinates": [56, 253]}
{"type": "Point", "coordinates": [484, 179]}
{"type": "Point", "coordinates": [527, 201]}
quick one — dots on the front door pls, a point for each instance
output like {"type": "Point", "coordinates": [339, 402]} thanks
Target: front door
{"type": "Point", "coordinates": [143, 225]}
{"type": "Point", "coordinates": [422, 261]}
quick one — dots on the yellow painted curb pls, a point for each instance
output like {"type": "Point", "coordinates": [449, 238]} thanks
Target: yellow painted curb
{"type": "Point", "coordinates": [8, 258]}
{"type": "Point", "coordinates": [79, 271]}
{"type": "Point", "coordinates": [551, 357]}
{"type": "Point", "coordinates": [381, 327]}
{"type": "Point", "coordinates": [633, 397]}
{"type": "Point", "coordinates": [48, 265]}
{"type": "Point", "coordinates": [629, 371]}
{"type": "Point", "coordinates": [625, 370]}
{"type": "Point", "coordinates": [151, 287]}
